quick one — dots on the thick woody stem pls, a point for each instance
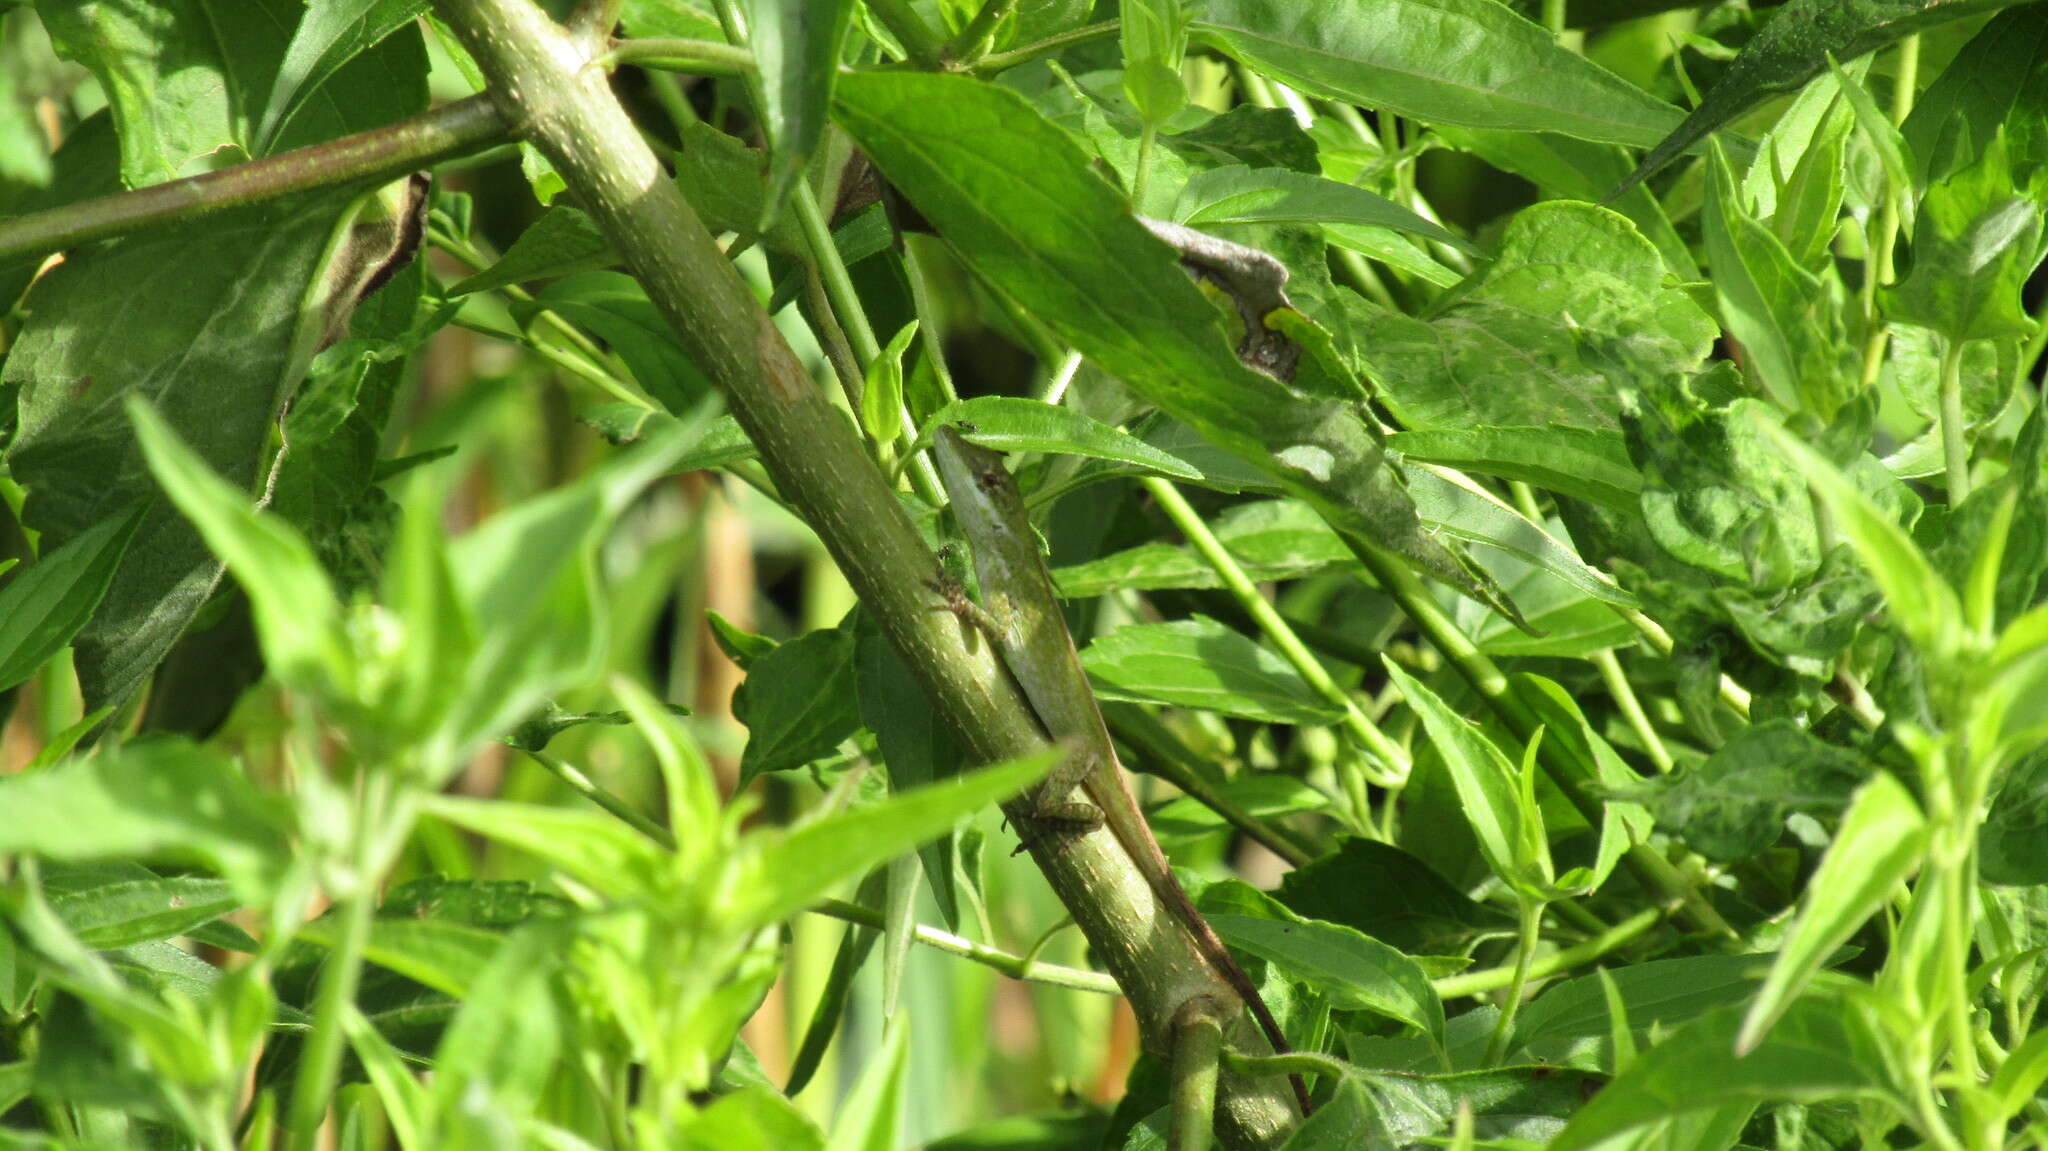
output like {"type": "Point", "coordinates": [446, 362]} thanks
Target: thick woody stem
{"type": "Point", "coordinates": [554, 88]}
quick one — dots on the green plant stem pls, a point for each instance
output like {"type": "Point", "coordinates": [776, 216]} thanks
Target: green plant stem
{"type": "Point", "coordinates": [1052, 45]}
{"type": "Point", "coordinates": [1955, 443]}
{"type": "Point", "coordinates": [1197, 1057]}
{"type": "Point", "coordinates": [1062, 378]}
{"type": "Point", "coordinates": [930, 333]}
{"type": "Point", "coordinates": [1554, 17]}
{"type": "Point", "coordinates": [1733, 694]}
{"type": "Point", "coordinates": [919, 42]}
{"type": "Point", "coordinates": [1020, 967]}
{"type": "Point", "coordinates": [1161, 753]}
{"type": "Point", "coordinates": [378, 155]}
{"type": "Point", "coordinates": [598, 794]}
{"type": "Point", "coordinates": [1878, 266]}
{"type": "Point", "coordinates": [1605, 943]}
{"type": "Point", "coordinates": [853, 318]}
{"type": "Point", "coordinates": [1141, 173]}
{"type": "Point", "coordinates": [977, 32]}
{"type": "Point", "coordinates": [1364, 732]}
{"type": "Point", "coordinates": [1486, 678]}
{"type": "Point", "coordinates": [695, 57]}
{"type": "Point", "coordinates": [815, 455]}
{"type": "Point", "coordinates": [1525, 953]}
{"type": "Point", "coordinates": [320, 1063]}
{"type": "Point", "coordinates": [1624, 697]}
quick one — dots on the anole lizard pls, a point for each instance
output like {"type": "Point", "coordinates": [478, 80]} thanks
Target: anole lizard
{"type": "Point", "coordinates": [1021, 615]}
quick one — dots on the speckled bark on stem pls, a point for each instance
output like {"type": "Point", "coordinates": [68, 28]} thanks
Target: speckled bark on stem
{"type": "Point", "coordinates": [554, 86]}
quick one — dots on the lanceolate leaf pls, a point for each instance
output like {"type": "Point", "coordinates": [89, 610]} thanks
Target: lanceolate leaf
{"type": "Point", "coordinates": [1014, 196]}
{"type": "Point", "coordinates": [1012, 423]}
{"type": "Point", "coordinates": [330, 34]}
{"type": "Point", "coordinates": [1792, 49]}
{"type": "Point", "coordinates": [1239, 195]}
{"type": "Point", "coordinates": [1471, 62]}
{"type": "Point", "coordinates": [43, 606]}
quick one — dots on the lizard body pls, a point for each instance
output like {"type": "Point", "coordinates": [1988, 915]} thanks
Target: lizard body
{"type": "Point", "coordinates": [1021, 614]}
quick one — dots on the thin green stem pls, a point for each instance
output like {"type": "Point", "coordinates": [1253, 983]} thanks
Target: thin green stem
{"type": "Point", "coordinates": [853, 317]}
{"type": "Point", "coordinates": [930, 333]}
{"type": "Point", "coordinates": [1141, 174]}
{"type": "Point", "coordinates": [902, 20]}
{"type": "Point", "coordinates": [366, 157]}
{"type": "Point", "coordinates": [1577, 955]}
{"type": "Point", "coordinates": [1015, 966]}
{"type": "Point", "coordinates": [598, 794]}
{"type": "Point", "coordinates": [965, 47]}
{"type": "Point", "coordinates": [996, 62]}
{"type": "Point", "coordinates": [1156, 750]}
{"type": "Point", "coordinates": [674, 54]}
{"type": "Point", "coordinates": [1197, 1059]}
{"type": "Point", "coordinates": [320, 1063]}
{"type": "Point", "coordinates": [1554, 17]}
{"type": "Point", "coordinates": [1624, 697]}
{"type": "Point", "coordinates": [1525, 953]}
{"type": "Point", "coordinates": [1062, 378]}
{"type": "Point", "coordinates": [1955, 442]}
{"type": "Point", "coordinates": [1878, 257]}
{"type": "Point", "coordinates": [1363, 731]}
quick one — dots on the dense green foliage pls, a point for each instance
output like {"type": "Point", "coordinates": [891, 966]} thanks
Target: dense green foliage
{"type": "Point", "coordinates": [1570, 573]}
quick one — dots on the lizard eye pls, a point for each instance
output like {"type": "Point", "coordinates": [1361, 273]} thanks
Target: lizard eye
{"type": "Point", "coordinates": [989, 481]}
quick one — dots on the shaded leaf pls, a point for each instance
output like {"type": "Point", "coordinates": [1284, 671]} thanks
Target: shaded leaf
{"type": "Point", "coordinates": [798, 702]}
{"type": "Point", "coordinates": [46, 604]}
{"type": "Point", "coordinates": [1011, 424]}
{"type": "Point", "coordinates": [1732, 805]}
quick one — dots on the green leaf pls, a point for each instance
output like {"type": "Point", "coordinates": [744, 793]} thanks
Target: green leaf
{"type": "Point", "coordinates": [871, 1116]}
{"type": "Point", "coordinates": [1980, 237]}
{"type": "Point", "coordinates": [1390, 895]}
{"type": "Point", "coordinates": [1270, 539]}
{"type": "Point", "coordinates": [796, 47]}
{"type": "Point", "coordinates": [783, 873]}
{"type": "Point", "coordinates": [1014, 197]}
{"type": "Point", "coordinates": [298, 616]}
{"type": "Point", "coordinates": [1733, 805]}
{"type": "Point", "coordinates": [494, 1061]}
{"type": "Point", "coordinates": [1586, 463]}
{"type": "Point", "coordinates": [1485, 780]}
{"type": "Point", "coordinates": [1622, 321]}
{"type": "Point", "coordinates": [1154, 37]}
{"type": "Point", "coordinates": [1923, 607]}
{"type": "Point", "coordinates": [24, 157]}
{"type": "Point", "coordinates": [753, 1118]}
{"type": "Point", "coordinates": [1572, 1023]}
{"type": "Point", "coordinates": [329, 35]}
{"type": "Point", "coordinates": [1457, 507]}
{"type": "Point", "coordinates": [1470, 62]}
{"type": "Point", "coordinates": [1567, 169]}
{"type": "Point", "coordinates": [118, 914]}
{"type": "Point", "coordinates": [1823, 1050]}
{"type": "Point", "coordinates": [42, 607]}
{"type": "Point", "coordinates": [614, 307]}
{"type": "Point", "coordinates": [1793, 48]}
{"type": "Point", "coordinates": [797, 702]}
{"type": "Point", "coordinates": [399, 1093]}
{"type": "Point", "coordinates": [1878, 846]}
{"type": "Point", "coordinates": [1202, 664]}
{"type": "Point", "coordinates": [1776, 308]}
{"type": "Point", "coordinates": [1996, 82]}
{"type": "Point", "coordinates": [881, 401]}
{"type": "Point", "coordinates": [593, 847]}
{"type": "Point", "coordinates": [1015, 424]}
{"type": "Point", "coordinates": [562, 242]}
{"type": "Point", "coordinates": [1356, 971]}
{"type": "Point", "coordinates": [154, 799]}
{"type": "Point", "coordinates": [2013, 844]}
{"type": "Point", "coordinates": [1241, 195]}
